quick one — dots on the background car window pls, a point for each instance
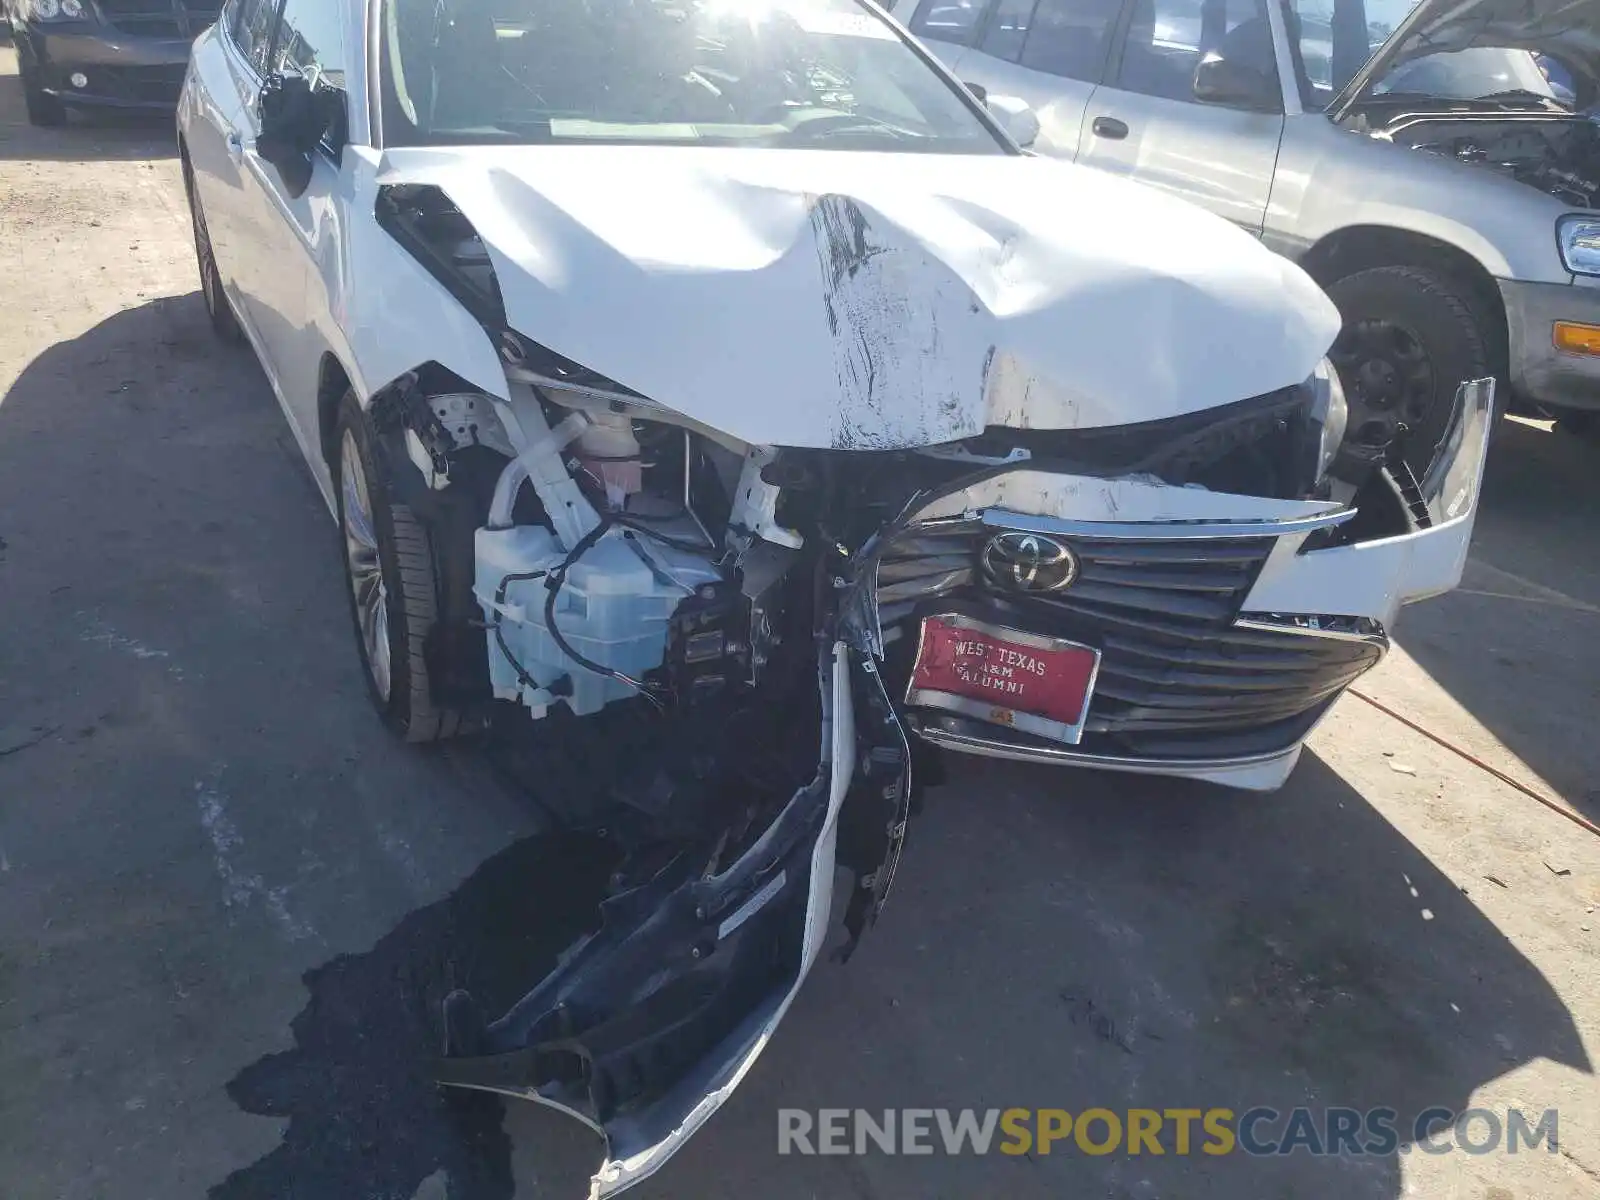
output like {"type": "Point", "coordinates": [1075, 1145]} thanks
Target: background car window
{"type": "Point", "coordinates": [1166, 39]}
{"type": "Point", "coordinates": [1006, 29]}
{"type": "Point", "coordinates": [1334, 39]}
{"type": "Point", "coordinates": [252, 30]}
{"type": "Point", "coordinates": [1069, 37]}
{"type": "Point", "coordinates": [948, 20]}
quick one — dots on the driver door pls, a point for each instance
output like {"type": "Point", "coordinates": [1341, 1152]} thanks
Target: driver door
{"type": "Point", "coordinates": [292, 251]}
{"type": "Point", "coordinates": [1145, 122]}
{"type": "Point", "coordinates": [1050, 53]}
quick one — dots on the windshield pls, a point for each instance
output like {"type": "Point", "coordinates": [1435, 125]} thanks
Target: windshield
{"type": "Point", "coordinates": [793, 73]}
{"type": "Point", "coordinates": [1335, 38]}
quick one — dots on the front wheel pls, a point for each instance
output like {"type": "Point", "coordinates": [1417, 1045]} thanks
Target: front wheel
{"type": "Point", "coordinates": [393, 599]}
{"type": "Point", "coordinates": [1411, 337]}
{"type": "Point", "coordinates": [218, 307]}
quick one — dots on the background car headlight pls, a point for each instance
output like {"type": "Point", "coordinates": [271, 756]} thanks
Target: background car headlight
{"type": "Point", "coordinates": [1579, 239]}
{"type": "Point", "coordinates": [54, 10]}
{"type": "Point", "coordinates": [1329, 410]}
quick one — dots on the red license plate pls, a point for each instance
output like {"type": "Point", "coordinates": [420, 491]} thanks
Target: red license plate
{"type": "Point", "coordinates": [1037, 684]}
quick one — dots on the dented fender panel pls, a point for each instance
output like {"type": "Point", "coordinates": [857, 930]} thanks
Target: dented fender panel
{"type": "Point", "coordinates": [395, 314]}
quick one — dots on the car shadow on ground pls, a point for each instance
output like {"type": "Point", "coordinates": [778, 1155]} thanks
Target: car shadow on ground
{"type": "Point", "coordinates": [1055, 939]}
{"type": "Point", "coordinates": [1518, 645]}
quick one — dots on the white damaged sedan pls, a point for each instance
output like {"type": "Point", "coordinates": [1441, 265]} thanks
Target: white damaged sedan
{"type": "Point", "coordinates": [721, 409]}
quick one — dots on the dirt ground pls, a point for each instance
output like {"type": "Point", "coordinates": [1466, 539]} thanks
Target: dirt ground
{"type": "Point", "coordinates": [224, 890]}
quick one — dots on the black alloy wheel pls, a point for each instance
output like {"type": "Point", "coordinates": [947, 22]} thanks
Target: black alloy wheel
{"type": "Point", "coordinates": [1411, 338]}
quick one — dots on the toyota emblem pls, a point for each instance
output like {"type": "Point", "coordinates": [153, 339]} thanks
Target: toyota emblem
{"type": "Point", "coordinates": [1029, 562]}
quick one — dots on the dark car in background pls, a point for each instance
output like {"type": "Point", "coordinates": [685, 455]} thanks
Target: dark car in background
{"type": "Point", "coordinates": [128, 54]}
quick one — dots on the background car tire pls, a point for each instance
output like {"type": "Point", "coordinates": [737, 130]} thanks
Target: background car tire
{"type": "Point", "coordinates": [1411, 336]}
{"type": "Point", "coordinates": [398, 561]}
{"type": "Point", "coordinates": [218, 307]}
{"type": "Point", "coordinates": [43, 108]}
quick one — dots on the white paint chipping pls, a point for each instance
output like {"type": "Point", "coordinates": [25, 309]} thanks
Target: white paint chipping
{"type": "Point", "coordinates": [241, 888]}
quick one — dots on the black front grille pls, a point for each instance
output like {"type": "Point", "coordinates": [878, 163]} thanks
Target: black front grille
{"type": "Point", "coordinates": [1182, 580]}
{"type": "Point", "coordinates": [160, 18]}
{"type": "Point", "coordinates": [1179, 675]}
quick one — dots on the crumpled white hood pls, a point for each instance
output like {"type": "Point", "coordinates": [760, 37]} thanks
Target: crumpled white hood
{"type": "Point", "coordinates": [873, 301]}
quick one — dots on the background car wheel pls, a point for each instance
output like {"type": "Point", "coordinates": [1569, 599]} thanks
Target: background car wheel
{"type": "Point", "coordinates": [393, 598]}
{"type": "Point", "coordinates": [43, 108]}
{"type": "Point", "coordinates": [1583, 423]}
{"type": "Point", "coordinates": [218, 307]}
{"type": "Point", "coordinates": [1411, 336]}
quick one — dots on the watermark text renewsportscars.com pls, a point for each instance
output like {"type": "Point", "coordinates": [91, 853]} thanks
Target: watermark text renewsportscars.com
{"type": "Point", "coordinates": [1257, 1132]}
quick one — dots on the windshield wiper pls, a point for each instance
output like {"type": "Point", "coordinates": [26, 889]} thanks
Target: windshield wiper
{"type": "Point", "coordinates": [1521, 94]}
{"type": "Point", "coordinates": [851, 125]}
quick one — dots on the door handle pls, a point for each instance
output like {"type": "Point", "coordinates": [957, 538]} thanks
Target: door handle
{"type": "Point", "coordinates": [1110, 127]}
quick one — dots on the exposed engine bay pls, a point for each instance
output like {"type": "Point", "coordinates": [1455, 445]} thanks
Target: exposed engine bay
{"type": "Point", "coordinates": [659, 605]}
{"type": "Point", "coordinates": [1558, 155]}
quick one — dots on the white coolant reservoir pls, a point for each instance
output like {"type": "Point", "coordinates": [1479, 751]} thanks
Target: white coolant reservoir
{"type": "Point", "coordinates": [613, 609]}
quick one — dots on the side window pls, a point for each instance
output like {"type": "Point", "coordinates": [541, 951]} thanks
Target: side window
{"type": "Point", "coordinates": [251, 26]}
{"type": "Point", "coordinates": [1007, 28]}
{"type": "Point", "coordinates": [1069, 37]}
{"type": "Point", "coordinates": [948, 20]}
{"type": "Point", "coordinates": [1167, 38]}
{"type": "Point", "coordinates": [311, 44]}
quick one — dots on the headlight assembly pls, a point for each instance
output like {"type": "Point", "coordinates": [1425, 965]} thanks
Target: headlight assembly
{"type": "Point", "coordinates": [1579, 240]}
{"type": "Point", "coordinates": [1329, 410]}
{"type": "Point", "coordinates": [54, 10]}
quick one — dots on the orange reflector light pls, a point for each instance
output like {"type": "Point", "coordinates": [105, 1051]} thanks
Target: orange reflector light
{"type": "Point", "coordinates": [1577, 339]}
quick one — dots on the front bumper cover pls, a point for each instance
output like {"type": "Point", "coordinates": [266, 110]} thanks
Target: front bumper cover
{"type": "Point", "coordinates": [1216, 685]}
{"type": "Point", "coordinates": [123, 71]}
{"type": "Point", "coordinates": [1540, 372]}
{"type": "Point", "coordinates": [647, 994]}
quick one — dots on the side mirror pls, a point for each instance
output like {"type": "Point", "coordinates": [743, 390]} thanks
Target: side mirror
{"type": "Point", "coordinates": [1219, 81]}
{"type": "Point", "coordinates": [978, 90]}
{"type": "Point", "coordinates": [1016, 115]}
{"type": "Point", "coordinates": [292, 123]}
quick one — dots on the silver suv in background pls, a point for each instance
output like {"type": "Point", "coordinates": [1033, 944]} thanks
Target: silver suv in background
{"type": "Point", "coordinates": [1433, 167]}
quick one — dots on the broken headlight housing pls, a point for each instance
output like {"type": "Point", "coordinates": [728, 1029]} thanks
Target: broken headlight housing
{"type": "Point", "coordinates": [1329, 412]}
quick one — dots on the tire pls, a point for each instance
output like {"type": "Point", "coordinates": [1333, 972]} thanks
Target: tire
{"type": "Point", "coordinates": [43, 108]}
{"type": "Point", "coordinates": [1411, 336]}
{"type": "Point", "coordinates": [224, 322]}
{"type": "Point", "coordinates": [392, 590]}
{"type": "Point", "coordinates": [1579, 422]}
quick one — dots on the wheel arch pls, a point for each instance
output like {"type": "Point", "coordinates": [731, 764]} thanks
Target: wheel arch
{"type": "Point", "coordinates": [1363, 247]}
{"type": "Point", "coordinates": [333, 381]}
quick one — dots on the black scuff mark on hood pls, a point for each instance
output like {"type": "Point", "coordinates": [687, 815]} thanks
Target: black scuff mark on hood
{"type": "Point", "coordinates": [889, 303]}
{"type": "Point", "coordinates": [364, 1115]}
